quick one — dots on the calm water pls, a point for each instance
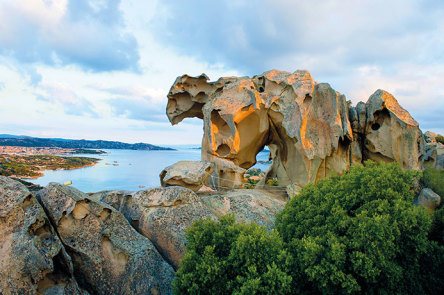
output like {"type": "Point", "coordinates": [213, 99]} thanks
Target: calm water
{"type": "Point", "coordinates": [124, 169]}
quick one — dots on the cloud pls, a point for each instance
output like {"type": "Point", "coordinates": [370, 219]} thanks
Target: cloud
{"type": "Point", "coordinates": [356, 46]}
{"type": "Point", "coordinates": [89, 34]}
{"type": "Point", "coordinates": [138, 109]}
{"type": "Point", "coordinates": [2, 86]}
{"type": "Point", "coordinates": [62, 96]}
{"type": "Point", "coordinates": [318, 35]}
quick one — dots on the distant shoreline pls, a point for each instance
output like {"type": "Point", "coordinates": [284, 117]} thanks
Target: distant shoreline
{"type": "Point", "coordinates": [34, 165]}
{"type": "Point", "coordinates": [26, 141]}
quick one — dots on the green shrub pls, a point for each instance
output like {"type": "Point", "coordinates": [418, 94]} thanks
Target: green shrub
{"type": "Point", "coordinates": [359, 233]}
{"type": "Point", "coordinates": [434, 179]}
{"type": "Point", "coordinates": [254, 171]}
{"type": "Point", "coordinates": [273, 182]}
{"type": "Point", "coordinates": [440, 138]}
{"type": "Point", "coordinates": [225, 257]}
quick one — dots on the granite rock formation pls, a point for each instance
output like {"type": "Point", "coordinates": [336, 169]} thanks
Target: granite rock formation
{"type": "Point", "coordinates": [434, 151]}
{"type": "Point", "coordinates": [108, 255]}
{"type": "Point", "coordinates": [312, 131]}
{"type": "Point", "coordinates": [189, 174]}
{"type": "Point", "coordinates": [163, 214]}
{"type": "Point", "coordinates": [32, 257]}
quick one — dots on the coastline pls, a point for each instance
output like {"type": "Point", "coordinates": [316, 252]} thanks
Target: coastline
{"type": "Point", "coordinates": [42, 172]}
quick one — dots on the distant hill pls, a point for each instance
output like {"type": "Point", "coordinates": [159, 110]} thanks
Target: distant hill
{"type": "Point", "coordinates": [26, 141]}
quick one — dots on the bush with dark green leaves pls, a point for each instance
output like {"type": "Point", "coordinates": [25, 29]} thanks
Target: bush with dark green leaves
{"type": "Point", "coordinates": [225, 257]}
{"type": "Point", "coordinates": [440, 138]}
{"type": "Point", "coordinates": [360, 233]}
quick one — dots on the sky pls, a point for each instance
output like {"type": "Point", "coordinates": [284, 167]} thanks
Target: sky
{"type": "Point", "coordinates": [97, 69]}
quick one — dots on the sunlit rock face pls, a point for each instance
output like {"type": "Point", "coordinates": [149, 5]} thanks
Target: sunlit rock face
{"type": "Point", "coordinates": [312, 131]}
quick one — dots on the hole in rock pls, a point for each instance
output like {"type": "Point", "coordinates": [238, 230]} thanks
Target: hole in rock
{"type": "Point", "coordinates": [223, 150]}
{"type": "Point", "coordinates": [376, 126]}
{"type": "Point", "coordinates": [261, 89]}
{"type": "Point", "coordinates": [307, 98]}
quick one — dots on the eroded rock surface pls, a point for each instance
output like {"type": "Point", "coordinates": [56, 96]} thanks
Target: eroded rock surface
{"type": "Point", "coordinates": [189, 174]}
{"type": "Point", "coordinates": [429, 199]}
{"type": "Point", "coordinates": [310, 128]}
{"type": "Point", "coordinates": [109, 256]}
{"type": "Point", "coordinates": [32, 257]}
{"type": "Point", "coordinates": [247, 205]}
{"type": "Point", "coordinates": [434, 151]}
{"type": "Point", "coordinates": [391, 132]}
{"type": "Point", "coordinates": [163, 214]}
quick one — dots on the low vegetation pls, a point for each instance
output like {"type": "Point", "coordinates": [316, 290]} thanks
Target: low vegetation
{"type": "Point", "coordinates": [440, 139]}
{"type": "Point", "coordinates": [33, 165]}
{"type": "Point", "coordinates": [434, 179]}
{"type": "Point", "coordinates": [225, 257]}
{"type": "Point", "coordinates": [359, 233]}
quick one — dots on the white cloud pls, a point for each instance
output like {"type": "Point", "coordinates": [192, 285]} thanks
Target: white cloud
{"type": "Point", "coordinates": [102, 69]}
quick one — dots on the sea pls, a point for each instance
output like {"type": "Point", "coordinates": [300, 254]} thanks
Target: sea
{"type": "Point", "coordinates": [130, 170]}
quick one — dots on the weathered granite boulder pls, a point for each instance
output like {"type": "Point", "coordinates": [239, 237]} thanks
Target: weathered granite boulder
{"type": "Point", "coordinates": [391, 132]}
{"type": "Point", "coordinates": [32, 258]}
{"type": "Point", "coordinates": [189, 174]}
{"type": "Point", "coordinates": [434, 151]}
{"type": "Point", "coordinates": [109, 256]}
{"type": "Point", "coordinates": [311, 130]}
{"type": "Point", "coordinates": [429, 199]}
{"type": "Point", "coordinates": [258, 206]}
{"type": "Point", "coordinates": [162, 215]}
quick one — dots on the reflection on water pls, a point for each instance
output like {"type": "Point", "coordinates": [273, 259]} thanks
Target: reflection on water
{"type": "Point", "coordinates": [125, 170]}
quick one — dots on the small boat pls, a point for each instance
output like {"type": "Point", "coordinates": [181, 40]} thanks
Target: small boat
{"type": "Point", "coordinates": [141, 186]}
{"type": "Point", "coordinates": [67, 183]}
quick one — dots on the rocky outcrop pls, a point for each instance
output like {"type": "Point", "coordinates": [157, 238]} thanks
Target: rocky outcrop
{"type": "Point", "coordinates": [429, 199]}
{"type": "Point", "coordinates": [434, 151]}
{"type": "Point", "coordinates": [391, 134]}
{"type": "Point", "coordinates": [189, 174]}
{"type": "Point", "coordinates": [108, 255]}
{"type": "Point", "coordinates": [163, 214]}
{"type": "Point", "coordinates": [311, 130]}
{"type": "Point", "coordinates": [32, 257]}
{"type": "Point", "coordinates": [258, 206]}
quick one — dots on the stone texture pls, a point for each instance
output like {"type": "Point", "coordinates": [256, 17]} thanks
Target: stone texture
{"type": "Point", "coordinates": [434, 151]}
{"type": "Point", "coordinates": [391, 133]}
{"type": "Point", "coordinates": [163, 214]}
{"type": "Point", "coordinates": [189, 174]}
{"type": "Point", "coordinates": [429, 199]}
{"type": "Point", "coordinates": [311, 130]}
{"type": "Point", "coordinates": [109, 256]}
{"type": "Point", "coordinates": [32, 258]}
{"type": "Point", "coordinates": [259, 206]}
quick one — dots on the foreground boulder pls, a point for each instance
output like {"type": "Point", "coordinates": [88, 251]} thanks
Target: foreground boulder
{"type": "Point", "coordinates": [109, 256]}
{"type": "Point", "coordinates": [429, 199]}
{"type": "Point", "coordinates": [164, 214]}
{"type": "Point", "coordinates": [32, 258]}
{"type": "Point", "coordinates": [189, 174]}
{"type": "Point", "coordinates": [247, 205]}
{"type": "Point", "coordinates": [312, 131]}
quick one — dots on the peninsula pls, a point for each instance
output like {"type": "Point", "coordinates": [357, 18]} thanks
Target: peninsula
{"type": "Point", "coordinates": [27, 141]}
